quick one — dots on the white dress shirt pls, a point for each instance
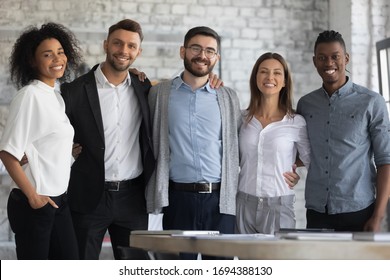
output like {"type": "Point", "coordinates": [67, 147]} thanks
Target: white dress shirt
{"type": "Point", "coordinates": [121, 116]}
{"type": "Point", "coordinates": [266, 153]}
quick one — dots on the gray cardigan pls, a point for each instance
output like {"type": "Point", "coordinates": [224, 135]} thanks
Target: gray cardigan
{"type": "Point", "coordinates": [157, 188]}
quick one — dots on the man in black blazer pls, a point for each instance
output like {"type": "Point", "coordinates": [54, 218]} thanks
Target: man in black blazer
{"type": "Point", "coordinates": [109, 112]}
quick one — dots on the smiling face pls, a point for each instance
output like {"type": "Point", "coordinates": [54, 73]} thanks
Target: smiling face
{"type": "Point", "coordinates": [330, 59]}
{"type": "Point", "coordinates": [50, 61]}
{"type": "Point", "coordinates": [270, 77]}
{"type": "Point", "coordinates": [198, 64]}
{"type": "Point", "coordinates": [122, 48]}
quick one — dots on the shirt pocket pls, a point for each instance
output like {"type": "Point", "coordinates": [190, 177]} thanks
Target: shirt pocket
{"type": "Point", "coordinates": [351, 126]}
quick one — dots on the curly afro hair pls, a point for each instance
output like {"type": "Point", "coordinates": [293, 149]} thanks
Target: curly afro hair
{"type": "Point", "coordinates": [23, 52]}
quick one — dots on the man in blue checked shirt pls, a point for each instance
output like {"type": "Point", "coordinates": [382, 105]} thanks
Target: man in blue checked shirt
{"type": "Point", "coordinates": [348, 182]}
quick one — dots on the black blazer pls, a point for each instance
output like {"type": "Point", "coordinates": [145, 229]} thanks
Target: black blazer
{"type": "Point", "coordinates": [82, 106]}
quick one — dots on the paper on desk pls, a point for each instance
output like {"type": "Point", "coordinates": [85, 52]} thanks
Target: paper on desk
{"type": "Point", "coordinates": [176, 232]}
{"type": "Point", "coordinates": [371, 236]}
{"type": "Point", "coordinates": [255, 236]}
{"type": "Point", "coordinates": [316, 235]}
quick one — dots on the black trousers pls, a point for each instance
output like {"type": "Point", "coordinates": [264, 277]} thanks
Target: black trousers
{"type": "Point", "coordinates": [196, 211]}
{"type": "Point", "coordinates": [119, 212]}
{"type": "Point", "coordinates": [351, 221]}
{"type": "Point", "coordinates": [44, 233]}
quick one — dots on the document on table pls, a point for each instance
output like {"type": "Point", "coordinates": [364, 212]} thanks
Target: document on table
{"type": "Point", "coordinates": [371, 236]}
{"type": "Point", "coordinates": [317, 235]}
{"type": "Point", "coordinates": [255, 236]}
{"type": "Point", "coordinates": [176, 232]}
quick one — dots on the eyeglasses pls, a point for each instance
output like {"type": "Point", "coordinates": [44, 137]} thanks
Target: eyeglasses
{"type": "Point", "coordinates": [197, 50]}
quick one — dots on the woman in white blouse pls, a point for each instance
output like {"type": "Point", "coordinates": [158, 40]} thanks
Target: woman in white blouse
{"type": "Point", "coordinates": [38, 127]}
{"type": "Point", "coordinates": [270, 137]}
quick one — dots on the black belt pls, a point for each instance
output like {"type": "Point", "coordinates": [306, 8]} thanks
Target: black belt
{"type": "Point", "coordinates": [115, 186]}
{"type": "Point", "coordinates": [195, 187]}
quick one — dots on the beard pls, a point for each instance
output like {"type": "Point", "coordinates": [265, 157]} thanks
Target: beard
{"type": "Point", "coordinates": [188, 65]}
{"type": "Point", "coordinates": [118, 66]}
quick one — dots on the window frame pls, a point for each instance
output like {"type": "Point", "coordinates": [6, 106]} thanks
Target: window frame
{"type": "Point", "coordinates": [383, 57]}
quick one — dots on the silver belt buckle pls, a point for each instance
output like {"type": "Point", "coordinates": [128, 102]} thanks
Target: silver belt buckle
{"type": "Point", "coordinates": [210, 189]}
{"type": "Point", "coordinates": [117, 186]}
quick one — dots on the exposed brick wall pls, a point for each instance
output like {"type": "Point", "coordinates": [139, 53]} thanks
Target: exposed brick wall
{"type": "Point", "coordinates": [248, 28]}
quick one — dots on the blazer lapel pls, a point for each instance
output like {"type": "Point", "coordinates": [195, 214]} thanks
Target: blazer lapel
{"type": "Point", "coordinates": [92, 93]}
{"type": "Point", "coordinates": [139, 92]}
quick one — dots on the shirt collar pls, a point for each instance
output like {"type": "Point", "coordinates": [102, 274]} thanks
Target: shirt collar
{"type": "Point", "coordinates": [103, 82]}
{"type": "Point", "coordinates": [346, 88]}
{"type": "Point", "coordinates": [178, 82]}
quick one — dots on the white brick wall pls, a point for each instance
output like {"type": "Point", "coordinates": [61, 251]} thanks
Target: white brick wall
{"type": "Point", "coordinates": [247, 27]}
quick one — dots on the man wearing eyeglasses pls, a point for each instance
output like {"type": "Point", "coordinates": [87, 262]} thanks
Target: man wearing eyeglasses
{"type": "Point", "coordinates": [195, 136]}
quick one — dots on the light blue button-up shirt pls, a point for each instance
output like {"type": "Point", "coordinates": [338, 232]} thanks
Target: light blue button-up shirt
{"type": "Point", "coordinates": [195, 134]}
{"type": "Point", "coordinates": [349, 134]}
